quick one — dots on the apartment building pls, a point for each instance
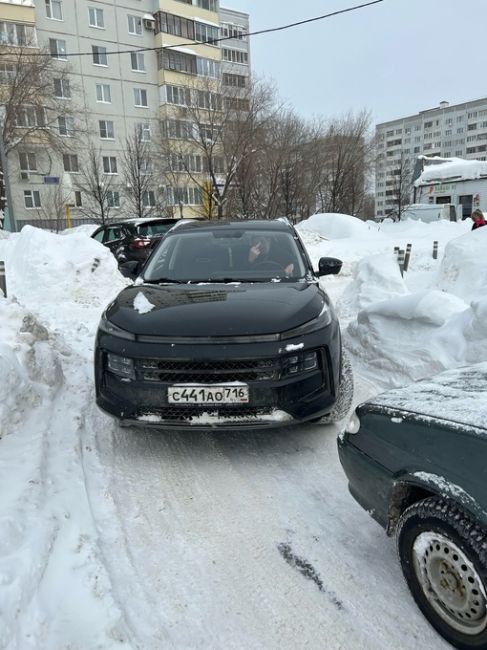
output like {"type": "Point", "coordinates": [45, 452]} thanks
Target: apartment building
{"type": "Point", "coordinates": [126, 69]}
{"type": "Point", "coordinates": [458, 130]}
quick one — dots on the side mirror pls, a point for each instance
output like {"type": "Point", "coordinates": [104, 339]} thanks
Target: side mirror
{"type": "Point", "coordinates": [329, 266]}
{"type": "Point", "coordinates": [129, 269]}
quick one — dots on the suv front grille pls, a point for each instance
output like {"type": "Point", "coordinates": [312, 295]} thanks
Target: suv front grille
{"type": "Point", "coordinates": [226, 370]}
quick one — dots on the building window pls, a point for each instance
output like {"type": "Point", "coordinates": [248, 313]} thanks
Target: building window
{"type": "Point", "coordinates": [103, 93]}
{"type": "Point", "coordinates": [107, 131]}
{"type": "Point", "coordinates": [62, 88]}
{"type": "Point", "coordinates": [143, 129]}
{"type": "Point", "coordinates": [32, 199]}
{"type": "Point", "coordinates": [57, 48]}
{"type": "Point", "coordinates": [171, 60]}
{"type": "Point", "coordinates": [110, 164]}
{"type": "Point", "coordinates": [210, 5]}
{"type": "Point", "coordinates": [8, 72]}
{"type": "Point", "coordinates": [27, 161]}
{"type": "Point", "coordinates": [54, 9]}
{"type": "Point", "coordinates": [96, 17]}
{"type": "Point", "coordinates": [238, 56]}
{"type": "Point", "coordinates": [99, 55]}
{"type": "Point", "coordinates": [113, 199]}
{"type": "Point", "coordinates": [30, 116]}
{"type": "Point", "coordinates": [77, 199]}
{"type": "Point", "coordinates": [140, 97]}
{"type": "Point", "coordinates": [232, 31]}
{"type": "Point", "coordinates": [178, 95]}
{"type": "Point", "coordinates": [186, 195]}
{"type": "Point", "coordinates": [149, 199]}
{"type": "Point", "coordinates": [135, 25]}
{"type": "Point", "coordinates": [234, 80]}
{"type": "Point", "coordinates": [66, 126]}
{"type": "Point", "coordinates": [138, 61]}
{"type": "Point", "coordinates": [175, 25]}
{"type": "Point", "coordinates": [206, 33]}
{"type": "Point", "coordinates": [70, 162]}
{"type": "Point", "coordinates": [208, 68]}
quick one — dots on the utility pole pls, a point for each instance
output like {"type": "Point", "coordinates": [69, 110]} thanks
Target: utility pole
{"type": "Point", "coordinates": [9, 208]}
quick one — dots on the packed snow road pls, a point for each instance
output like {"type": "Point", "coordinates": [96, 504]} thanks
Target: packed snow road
{"type": "Point", "coordinates": [228, 540]}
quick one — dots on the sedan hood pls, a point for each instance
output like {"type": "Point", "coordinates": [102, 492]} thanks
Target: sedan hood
{"type": "Point", "coordinates": [216, 309]}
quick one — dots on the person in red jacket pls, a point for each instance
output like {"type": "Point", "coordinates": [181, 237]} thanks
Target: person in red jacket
{"type": "Point", "coordinates": [478, 219]}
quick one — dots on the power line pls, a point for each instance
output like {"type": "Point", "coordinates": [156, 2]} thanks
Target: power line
{"type": "Point", "coordinates": [216, 40]}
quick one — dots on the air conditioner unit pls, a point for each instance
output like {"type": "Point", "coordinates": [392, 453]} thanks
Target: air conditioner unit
{"type": "Point", "coordinates": [149, 23]}
{"type": "Point", "coordinates": [24, 176]}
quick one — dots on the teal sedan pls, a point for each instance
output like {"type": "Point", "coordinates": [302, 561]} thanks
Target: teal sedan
{"type": "Point", "coordinates": [416, 460]}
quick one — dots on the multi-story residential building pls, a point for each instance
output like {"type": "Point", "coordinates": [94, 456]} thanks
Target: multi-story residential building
{"type": "Point", "coordinates": [458, 130]}
{"type": "Point", "coordinates": [126, 69]}
{"type": "Point", "coordinates": [235, 51]}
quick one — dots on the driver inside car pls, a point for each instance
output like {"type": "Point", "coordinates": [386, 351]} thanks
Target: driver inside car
{"type": "Point", "coordinates": [260, 252]}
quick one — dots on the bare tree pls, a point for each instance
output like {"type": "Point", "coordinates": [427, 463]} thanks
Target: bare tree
{"type": "Point", "coordinates": [33, 91]}
{"type": "Point", "coordinates": [211, 136]}
{"type": "Point", "coordinates": [138, 173]}
{"type": "Point", "coordinates": [53, 213]}
{"type": "Point", "coordinates": [345, 160]}
{"type": "Point", "coordinates": [399, 185]}
{"type": "Point", "coordinates": [96, 182]}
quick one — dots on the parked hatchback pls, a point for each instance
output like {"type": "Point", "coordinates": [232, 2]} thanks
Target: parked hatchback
{"type": "Point", "coordinates": [226, 326]}
{"type": "Point", "coordinates": [133, 239]}
{"type": "Point", "coordinates": [416, 460]}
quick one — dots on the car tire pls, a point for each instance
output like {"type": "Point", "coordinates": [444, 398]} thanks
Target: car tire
{"type": "Point", "coordinates": [443, 555]}
{"type": "Point", "coordinates": [344, 400]}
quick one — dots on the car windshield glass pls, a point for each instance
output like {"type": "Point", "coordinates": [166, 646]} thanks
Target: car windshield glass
{"type": "Point", "coordinates": [151, 229]}
{"type": "Point", "coordinates": [226, 256]}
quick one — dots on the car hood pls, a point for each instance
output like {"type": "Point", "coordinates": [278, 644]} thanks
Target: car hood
{"type": "Point", "coordinates": [216, 309]}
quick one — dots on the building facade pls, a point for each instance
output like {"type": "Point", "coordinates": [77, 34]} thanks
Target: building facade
{"type": "Point", "coordinates": [125, 70]}
{"type": "Point", "coordinates": [458, 130]}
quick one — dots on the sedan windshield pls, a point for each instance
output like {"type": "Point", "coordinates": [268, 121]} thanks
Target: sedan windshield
{"type": "Point", "coordinates": [226, 256]}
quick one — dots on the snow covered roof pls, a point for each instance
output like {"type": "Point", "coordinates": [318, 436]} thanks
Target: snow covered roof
{"type": "Point", "coordinates": [449, 169]}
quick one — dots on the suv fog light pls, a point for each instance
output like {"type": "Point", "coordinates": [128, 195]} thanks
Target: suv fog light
{"type": "Point", "coordinates": [121, 366]}
{"type": "Point", "coordinates": [310, 361]}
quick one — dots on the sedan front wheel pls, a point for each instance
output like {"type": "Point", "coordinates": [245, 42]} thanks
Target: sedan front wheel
{"type": "Point", "coordinates": [443, 554]}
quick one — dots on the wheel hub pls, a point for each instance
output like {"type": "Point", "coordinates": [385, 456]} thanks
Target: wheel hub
{"type": "Point", "coordinates": [450, 582]}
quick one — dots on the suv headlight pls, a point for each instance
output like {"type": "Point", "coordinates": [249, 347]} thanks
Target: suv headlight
{"type": "Point", "coordinates": [322, 320]}
{"type": "Point", "coordinates": [108, 327]}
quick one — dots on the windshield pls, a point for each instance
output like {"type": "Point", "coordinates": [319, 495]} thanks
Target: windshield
{"type": "Point", "coordinates": [226, 255]}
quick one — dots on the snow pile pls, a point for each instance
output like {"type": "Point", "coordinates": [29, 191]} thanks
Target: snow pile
{"type": "Point", "coordinates": [452, 168]}
{"type": "Point", "coordinates": [422, 332]}
{"type": "Point", "coordinates": [334, 225]}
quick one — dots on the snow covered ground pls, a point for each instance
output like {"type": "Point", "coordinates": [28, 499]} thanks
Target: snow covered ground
{"type": "Point", "coordinates": [132, 539]}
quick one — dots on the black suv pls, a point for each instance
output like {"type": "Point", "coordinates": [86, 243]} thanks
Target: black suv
{"type": "Point", "coordinates": [131, 240]}
{"type": "Point", "coordinates": [226, 326]}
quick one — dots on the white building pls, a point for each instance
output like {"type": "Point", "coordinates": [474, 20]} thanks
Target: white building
{"type": "Point", "coordinates": [448, 131]}
{"type": "Point", "coordinates": [121, 80]}
{"type": "Point", "coordinates": [461, 183]}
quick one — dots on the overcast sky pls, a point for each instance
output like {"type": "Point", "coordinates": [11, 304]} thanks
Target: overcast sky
{"type": "Point", "coordinates": [395, 58]}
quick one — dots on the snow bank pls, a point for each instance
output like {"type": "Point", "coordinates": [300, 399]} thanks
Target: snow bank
{"type": "Point", "coordinates": [463, 270]}
{"type": "Point", "coordinates": [334, 225]}
{"type": "Point", "coordinates": [401, 338]}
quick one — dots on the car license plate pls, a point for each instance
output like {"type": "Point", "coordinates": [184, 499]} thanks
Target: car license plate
{"type": "Point", "coordinates": [198, 394]}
